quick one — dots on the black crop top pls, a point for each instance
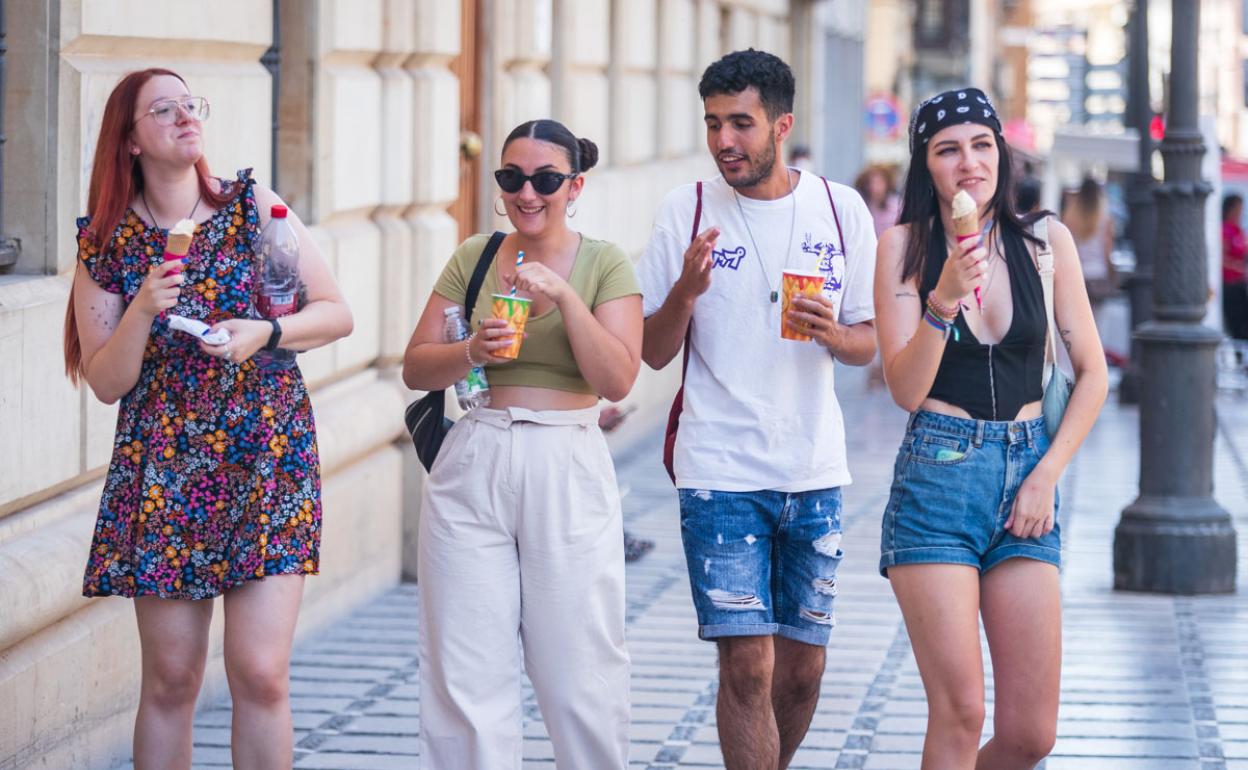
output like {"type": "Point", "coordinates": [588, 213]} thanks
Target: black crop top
{"type": "Point", "coordinates": [992, 382]}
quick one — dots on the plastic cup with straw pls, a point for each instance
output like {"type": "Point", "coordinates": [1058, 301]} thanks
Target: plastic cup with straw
{"type": "Point", "coordinates": [515, 311]}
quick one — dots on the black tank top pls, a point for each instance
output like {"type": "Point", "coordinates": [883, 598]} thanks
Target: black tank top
{"type": "Point", "coordinates": [992, 382]}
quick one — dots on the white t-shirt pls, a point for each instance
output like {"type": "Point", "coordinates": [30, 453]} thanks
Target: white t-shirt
{"type": "Point", "coordinates": [760, 411]}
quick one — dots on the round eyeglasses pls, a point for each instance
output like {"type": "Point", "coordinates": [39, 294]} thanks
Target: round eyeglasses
{"type": "Point", "coordinates": [165, 111]}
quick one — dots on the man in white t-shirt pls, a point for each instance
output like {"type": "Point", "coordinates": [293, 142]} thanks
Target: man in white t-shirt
{"type": "Point", "coordinates": [760, 451]}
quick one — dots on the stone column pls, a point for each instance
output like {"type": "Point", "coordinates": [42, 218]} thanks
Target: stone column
{"type": "Point", "coordinates": [419, 244]}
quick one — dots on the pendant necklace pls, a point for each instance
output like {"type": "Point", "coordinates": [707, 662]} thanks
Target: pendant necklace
{"type": "Point", "coordinates": [775, 293]}
{"type": "Point", "coordinates": [143, 197]}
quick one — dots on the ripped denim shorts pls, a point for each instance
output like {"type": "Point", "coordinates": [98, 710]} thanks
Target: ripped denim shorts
{"type": "Point", "coordinates": [763, 563]}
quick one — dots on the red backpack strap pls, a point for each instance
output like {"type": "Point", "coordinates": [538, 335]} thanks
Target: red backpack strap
{"type": "Point", "coordinates": [835, 216]}
{"type": "Point", "coordinates": [697, 221]}
{"type": "Point", "coordinates": [678, 403]}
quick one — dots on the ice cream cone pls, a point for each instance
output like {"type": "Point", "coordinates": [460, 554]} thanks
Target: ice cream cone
{"type": "Point", "coordinates": [966, 225]}
{"type": "Point", "coordinates": [965, 216]}
{"type": "Point", "coordinates": [179, 241]}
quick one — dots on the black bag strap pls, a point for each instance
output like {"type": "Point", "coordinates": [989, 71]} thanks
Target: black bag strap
{"type": "Point", "coordinates": [478, 275]}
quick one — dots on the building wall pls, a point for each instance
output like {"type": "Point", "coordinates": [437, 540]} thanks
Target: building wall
{"type": "Point", "coordinates": [368, 155]}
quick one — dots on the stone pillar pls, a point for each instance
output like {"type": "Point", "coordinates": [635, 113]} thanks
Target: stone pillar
{"type": "Point", "coordinates": [1175, 538]}
{"type": "Point", "coordinates": [678, 79]}
{"type": "Point", "coordinates": [517, 69]}
{"type": "Point", "coordinates": [428, 182]}
{"type": "Point", "coordinates": [580, 86]}
{"type": "Point", "coordinates": [635, 126]}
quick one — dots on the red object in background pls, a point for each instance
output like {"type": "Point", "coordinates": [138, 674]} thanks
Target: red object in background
{"type": "Point", "coordinates": [1157, 128]}
{"type": "Point", "coordinates": [1234, 170]}
{"type": "Point", "coordinates": [1019, 134]}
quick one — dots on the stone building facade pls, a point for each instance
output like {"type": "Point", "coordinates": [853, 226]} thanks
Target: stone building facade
{"type": "Point", "coordinates": [354, 110]}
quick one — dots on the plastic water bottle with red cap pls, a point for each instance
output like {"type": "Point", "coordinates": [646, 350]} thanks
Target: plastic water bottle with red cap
{"type": "Point", "coordinates": [277, 281]}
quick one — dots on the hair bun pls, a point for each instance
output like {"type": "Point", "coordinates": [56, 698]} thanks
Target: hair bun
{"type": "Point", "coordinates": [588, 152]}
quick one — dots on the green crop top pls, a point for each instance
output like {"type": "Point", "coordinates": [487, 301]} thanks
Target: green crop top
{"type": "Point", "coordinates": [601, 272]}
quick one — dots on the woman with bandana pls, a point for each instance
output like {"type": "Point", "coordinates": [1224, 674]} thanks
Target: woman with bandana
{"type": "Point", "coordinates": [971, 529]}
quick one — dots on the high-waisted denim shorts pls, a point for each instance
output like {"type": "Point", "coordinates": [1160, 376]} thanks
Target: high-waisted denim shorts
{"type": "Point", "coordinates": [954, 484]}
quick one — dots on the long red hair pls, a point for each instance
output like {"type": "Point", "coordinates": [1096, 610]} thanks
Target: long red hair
{"type": "Point", "coordinates": [116, 177]}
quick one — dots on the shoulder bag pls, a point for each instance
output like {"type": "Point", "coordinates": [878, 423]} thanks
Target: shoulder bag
{"type": "Point", "coordinates": [426, 417]}
{"type": "Point", "coordinates": [1056, 383]}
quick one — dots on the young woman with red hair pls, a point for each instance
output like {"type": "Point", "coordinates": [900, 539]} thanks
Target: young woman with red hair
{"type": "Point", "coordinates": [214, 483]}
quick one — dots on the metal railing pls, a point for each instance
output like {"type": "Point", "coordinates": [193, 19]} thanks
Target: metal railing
{"type": "Point", "coordinates": [10, 247]}
{"type": "Point", "coordinates": [272, 61]}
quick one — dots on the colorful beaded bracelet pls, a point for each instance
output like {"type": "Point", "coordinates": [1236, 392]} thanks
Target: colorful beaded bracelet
{"type": "Point", "coordinates": [944, 311]}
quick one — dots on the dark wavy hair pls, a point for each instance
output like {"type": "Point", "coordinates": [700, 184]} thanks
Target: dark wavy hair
{"type": "Point", "coordinates": [582, 153]}
{"type": "Point", "coordinates": [741, 69]}
{"type": "Point", "coordinates": [919, 207]}
{"type": "Point", "coordinates": [1229, 203]}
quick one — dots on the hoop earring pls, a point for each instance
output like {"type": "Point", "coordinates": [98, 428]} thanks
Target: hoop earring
{"type": "Point", "coordinates": [502, 213]}
{"type": "Point", "coordinates": [570, 209]}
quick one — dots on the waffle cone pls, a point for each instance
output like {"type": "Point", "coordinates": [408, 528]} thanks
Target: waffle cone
{"type": "Point", "coordinates": [177, 245]}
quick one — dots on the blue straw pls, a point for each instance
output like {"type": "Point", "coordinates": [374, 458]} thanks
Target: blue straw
{"type": "Point", "coordinates": [519, 262]}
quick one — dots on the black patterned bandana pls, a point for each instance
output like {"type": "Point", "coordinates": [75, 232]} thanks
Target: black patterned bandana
{"type": "Point", "coordinates": [963, 105]}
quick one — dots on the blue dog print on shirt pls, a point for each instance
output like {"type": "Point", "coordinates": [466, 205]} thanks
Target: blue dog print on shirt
{"type": "Point", "coordinates": [827, 265]}
{"type": "Point", "coordinates": [729, 258]}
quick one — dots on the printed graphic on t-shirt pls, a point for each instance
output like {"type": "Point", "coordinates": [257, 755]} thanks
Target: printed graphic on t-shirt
{"type": "Point", "coordinates": [729, 258]}
{"type": "Point", "coordinates": [828, 252]}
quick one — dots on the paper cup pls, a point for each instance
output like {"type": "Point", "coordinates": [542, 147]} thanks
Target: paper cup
{"type": "Point", "coordinates": [515, 311]}
{"type": "Point", "coordinates": [796, 283]}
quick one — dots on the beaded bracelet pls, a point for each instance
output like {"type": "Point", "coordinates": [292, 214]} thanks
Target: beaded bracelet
{"type": "Point", "coordinates": [468, 351]}
{"type": "Point", "coordinates": [944, 311]}
{"type": "Point", "coordinates": [944, 327]}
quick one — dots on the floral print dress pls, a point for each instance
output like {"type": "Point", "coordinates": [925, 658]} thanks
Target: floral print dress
{"type": "Point", "coordinates": [214, 478]}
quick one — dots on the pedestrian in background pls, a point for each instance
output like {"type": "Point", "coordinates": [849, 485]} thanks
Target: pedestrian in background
{"type": "Point", "coordinates": [970, 528]}
{"type": "Point", "coordinates": [1027, 193]}
{"type": "Point", "coordinates": [521, 535]}
{"type": "Point", "coordinates": [214, 485]}
{"type": "Point", "coordinates": [1086, 215]}
{"type": "Point", "coordinates": [759, 457]}
{"type": "Point", "coordinates": [878, 187]}
{"type": "Point", "coordinates": [1234, 269]}
{"type": "Point", "coordinates": [801, 159]}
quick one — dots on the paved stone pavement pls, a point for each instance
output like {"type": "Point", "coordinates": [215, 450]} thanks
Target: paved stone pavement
{"type": "Point", "coordinates": [1149, 682]}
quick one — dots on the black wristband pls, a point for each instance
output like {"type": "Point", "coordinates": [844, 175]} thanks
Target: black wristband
{"type": "Point", "coordinates": [275, 336]}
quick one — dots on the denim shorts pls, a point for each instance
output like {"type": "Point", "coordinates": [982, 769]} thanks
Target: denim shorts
{"type": "Point", "coordinates": [954, 483]}
{"type": "Point", "coordinates": [763, 563]}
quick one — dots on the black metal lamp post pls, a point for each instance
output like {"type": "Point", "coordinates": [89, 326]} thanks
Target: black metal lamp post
{"type": "Point", "coordinates": [1141, 202]}
{"type": "Point", "coordinates": [1175, 538]}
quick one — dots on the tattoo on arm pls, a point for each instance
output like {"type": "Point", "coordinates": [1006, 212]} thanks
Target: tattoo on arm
{"type": "Point", "coordinates": [1065, 338]}
{"type": "Point", "coordinates": [901, 294]}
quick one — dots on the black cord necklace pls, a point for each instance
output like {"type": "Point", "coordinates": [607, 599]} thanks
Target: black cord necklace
{"type": "Point", "coordinates": [151, 216]}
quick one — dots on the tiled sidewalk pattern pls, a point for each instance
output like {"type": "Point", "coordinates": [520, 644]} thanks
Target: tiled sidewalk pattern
{"type": "Point", "coordinates": [1149, 683]}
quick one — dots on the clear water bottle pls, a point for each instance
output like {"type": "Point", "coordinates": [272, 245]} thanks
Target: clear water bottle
{"type": "Point", "coordinates": [473, 390]}
{"type": "Point", "coordinates": [277, 281]}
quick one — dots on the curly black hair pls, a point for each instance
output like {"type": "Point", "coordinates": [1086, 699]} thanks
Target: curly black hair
{"type": "Point", "coordinates": [741, 69]}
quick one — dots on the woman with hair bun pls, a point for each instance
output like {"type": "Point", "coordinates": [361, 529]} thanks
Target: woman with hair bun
{"type": "Point", "coordinates": [520, 529]}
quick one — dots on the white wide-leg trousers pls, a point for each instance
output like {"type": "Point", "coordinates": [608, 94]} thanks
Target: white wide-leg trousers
{"type": "Point", "coordinates": [521, 541]}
